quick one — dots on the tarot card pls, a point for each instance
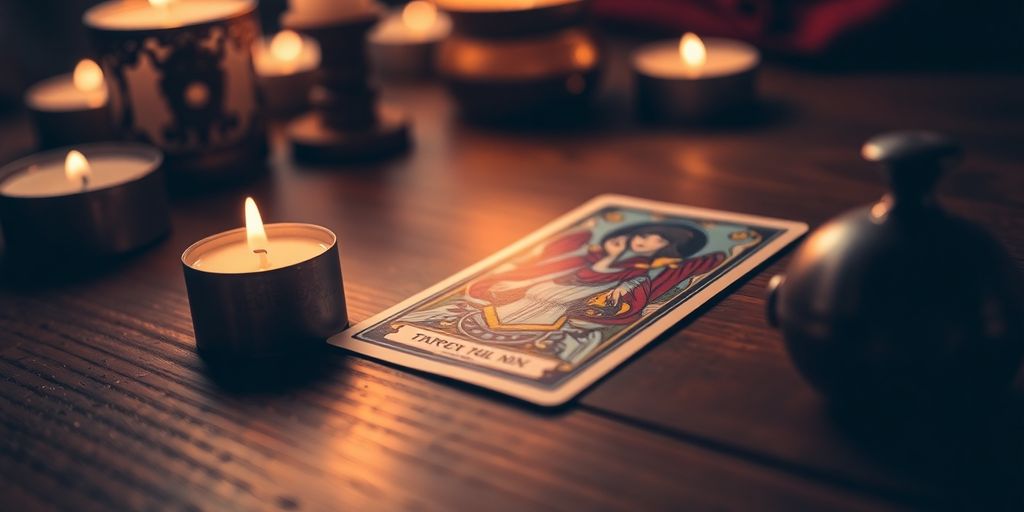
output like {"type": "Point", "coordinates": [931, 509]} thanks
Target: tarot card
{"type": "Point", "coordinates": [547, 316]}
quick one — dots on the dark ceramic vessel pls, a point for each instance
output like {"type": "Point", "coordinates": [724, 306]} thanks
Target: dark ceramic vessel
{"type": "Point", "coordinates": [899, 302]}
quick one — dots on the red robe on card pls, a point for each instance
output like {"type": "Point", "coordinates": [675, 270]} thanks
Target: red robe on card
{"type": "Point", "coordinates": [632, 276]}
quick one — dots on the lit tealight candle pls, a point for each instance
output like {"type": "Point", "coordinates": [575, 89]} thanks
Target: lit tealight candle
{"type": "Point", "coordinates": [95, 201]}
{"type": "Point", "coordinates": [83, 89]}
{"type": "Point", "coordinates": [264, 290]}
{"type": "Point", "coordinates": [404, 42]}
{"type": "Point", "coordinates": [292, 243]}
{"type": "Point", "coordinates": [693, 79]}
{"type": "Point", "coordinates": [71, 108]}
{"type": "Point", "coordinates": [694, 55]}
{"type": "Point", "coordinates": [284, 67]}
{"type": "Point", "coordinates": [285, 49]}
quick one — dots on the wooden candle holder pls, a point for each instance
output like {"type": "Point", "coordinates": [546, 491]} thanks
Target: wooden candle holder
{"type": "Point", "coordinates": [346, 122]}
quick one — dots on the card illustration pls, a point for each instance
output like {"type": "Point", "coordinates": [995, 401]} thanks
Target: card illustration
{"type": "Point", "coordinates": [545, 311]}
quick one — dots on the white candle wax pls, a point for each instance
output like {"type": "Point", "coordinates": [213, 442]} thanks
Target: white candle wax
{"type": "Point", "coordinates": [48, 179]}
{"type": "Point", "coordinates": [141, 15]}
{"type": "Point", "coordinates": [285, 60]}
{"type": "Point", "coordinates": [723, 57]}
{"type": "Point", "coordinates": [287, 245]}
{"type": "Point", "coordinates": [59, 94]}
{"type": "Point", "coordinates": [499, 5]}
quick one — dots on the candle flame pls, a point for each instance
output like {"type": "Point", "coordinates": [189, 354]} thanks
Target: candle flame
{"type": "Point", "coordinates": [286, 45]}
{"type": "Point", "coordinates": [87, 76]}
{"type": "Point", "coordinates": [76, 167]}
{"type": "Point", "coordinates": [419, 15]}
{"type": "Point", "coordinates": [692, 51]}
{"type": "Point", "coordinates": [160, 4]}
{"type": "Point", "coordinates": [255, 234]}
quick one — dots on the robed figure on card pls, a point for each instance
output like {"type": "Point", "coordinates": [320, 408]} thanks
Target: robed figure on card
{"type": "Point", "coordinates": [547, 309]}
{"type": "Point", "coordinates": [562, 299]}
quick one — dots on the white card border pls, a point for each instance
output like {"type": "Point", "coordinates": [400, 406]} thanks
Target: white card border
{"type": "Point", "coordinates": [791, 231]}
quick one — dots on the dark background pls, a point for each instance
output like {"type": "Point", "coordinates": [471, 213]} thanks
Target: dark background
{"type": "Point", "coordinates": [40, 38]}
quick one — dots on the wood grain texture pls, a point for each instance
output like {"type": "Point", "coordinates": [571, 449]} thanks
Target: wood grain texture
{"type": "Point", "coordinates": [104, 405]}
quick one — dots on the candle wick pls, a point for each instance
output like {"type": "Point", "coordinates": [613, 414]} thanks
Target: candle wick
{"type": "Point", "coordinates": [85, 182]}
{"type": "Point", "coordinates": [264, 257]}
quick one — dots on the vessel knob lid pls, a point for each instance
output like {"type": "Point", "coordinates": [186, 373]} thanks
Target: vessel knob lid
{"type": "Point", "coordinates": [913, 162]}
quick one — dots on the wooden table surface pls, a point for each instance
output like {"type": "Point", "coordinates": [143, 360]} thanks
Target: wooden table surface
{"type": "Point", "coordinates": [104, 404]}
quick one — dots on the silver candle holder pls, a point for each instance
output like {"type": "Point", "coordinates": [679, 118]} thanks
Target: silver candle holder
{"type": "Point", "coordinates": [121, 207]}
{"type": "Point", "coordinates": [252, 313]}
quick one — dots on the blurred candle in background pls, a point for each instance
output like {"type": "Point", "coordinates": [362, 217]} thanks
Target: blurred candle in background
{"type": "Point", "coordinates": [71, 108]}
{"type": "Point", "coordinates": [694, 79]}
{"type": "Point", "coordinates": [284, 67]}
{"type": "Point", "coordinates": [500, 18]}
{"type": "Point", "coordinates": [517, 60]}
{"type": "Point", "coordinates": [404, 43]}
{"type": "Point", "coordinates": [95, 201]}
{"type": "Point", "coordinates": [326, 12]}
{"type": "Point", "coordinates": [181, 78]}
{"type": "Point", "coordinates": [693, 54]}
{"type": "Point", "coordinates": [500, 5]}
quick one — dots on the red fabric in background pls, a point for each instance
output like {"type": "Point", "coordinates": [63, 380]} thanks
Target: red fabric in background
{"type": "Point", "coordinates": [802, 27]}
